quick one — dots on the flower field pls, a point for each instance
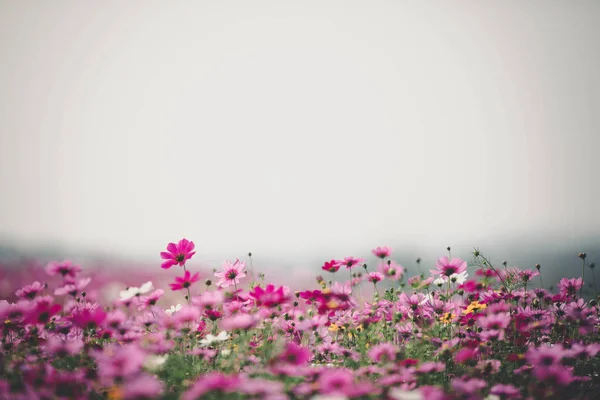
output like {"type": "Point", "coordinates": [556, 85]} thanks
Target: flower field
{"type": "Point", "coordinates": [358, 331]}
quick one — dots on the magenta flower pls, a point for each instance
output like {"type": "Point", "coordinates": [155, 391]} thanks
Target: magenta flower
{"type": "Point", "coordinates": [43, 309]}
{"type": "Point", "coordinates": [295, 355]}
{"type": "Point", "coordinates": [177, 254]}
{"type": "Point", "coordinates": [268, 297]}
{"type": "Point", "coordinates": [382, 252]}
{"type": "Point", "coordinates": [331, 266]}
{"type": "Point", "coordinates": [185, 281]}
{"type": "Point", "coordinates": [448, 267]}
{"type": "Point", "coordinates": [88, 318]}
{"type": "Point", "coordinates": [570, 287]}
{"type": "Point", "coordinates": [231, 274]}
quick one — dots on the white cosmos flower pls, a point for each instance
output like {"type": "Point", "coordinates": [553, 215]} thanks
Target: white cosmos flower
{"type": "Point", "coordinates": [399, 394]}
{"type": "Point", "coordinates": [153, 362]}
{"type": "Point", "coordinates": [459, 278]}
{"type": "Point", "coordinates": [209, 339]}
{"type": "Point", "coordinates": [173, 309]}
{"type": "Point", "coordinates": [225, 352]}
{"type": "Point", "coordinates": [135, 291]}
{"type": "Point", "coordinates": [439, 282]}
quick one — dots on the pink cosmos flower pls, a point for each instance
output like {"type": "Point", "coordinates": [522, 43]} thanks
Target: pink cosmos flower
{"type": "Point", "coordinates": [65, 268]}
{"type": "Point", "coordinates": [119, 361]}
{"type": "Point", "coordinates": [42, 309]}
{"type": "Point", "coordinates": [350, 262]}
{"type": "Point", "coordinates": [335, 381]}
{"type": "Point", "coordinates": [295, 355]}
{"type": "Point", "coordinates": [382, 252]}
{"type": "Point", "coordinates": [185, 281]}
{"type": "Point", "coordinates": [143, 386]}
{"type": "Point", "coordinates": [239, 321]}
{"type": "Point", "coordinates": [505, 391]}
{"type": "Point", "coordinates": [88, 318]}
{"type": "Point", "coordinates": [177, 254]}
{"type": "Point", "coordinates": [570, 287]}
{"type": "Point", "coordinates": [468, 386]}
{"type": "Point", "coordinates": [30, 291]}
{"type": "Point", "coordinates": [61, 348]}
{"type": "Point", "coordinates": [448, 267]}
{"type": "Point", "coordinates": [72, 288]}
{"type": "Point", "coordinates": [375, 277]}
{"type": "Point", "coordinates": [231, 274]}
{"type": "Point", "coordinates": [209, 299]}
{"type": "Point", "coordinates": [391, 270]}
{"type": "Point", "coordinates": [331, 266]}
{"type": "Point", "coordinates": [384, 352]}
{"type": "Point", "coordinates": [149, 301]}
{"type": "Point", "coordinates": [211, 382]}
{"type": "Point", "coordinates": [268, 297]}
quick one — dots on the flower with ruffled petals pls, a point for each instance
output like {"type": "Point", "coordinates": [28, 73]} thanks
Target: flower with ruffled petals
{"type": "Point", "coordinates": [177, 254]}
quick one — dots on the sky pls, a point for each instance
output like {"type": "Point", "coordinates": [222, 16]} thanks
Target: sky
{"type": "Point", "coordinates": [297, 128]}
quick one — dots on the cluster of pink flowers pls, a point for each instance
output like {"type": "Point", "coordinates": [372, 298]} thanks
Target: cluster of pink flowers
{"type": "Point", "coordinates": [373, 332]}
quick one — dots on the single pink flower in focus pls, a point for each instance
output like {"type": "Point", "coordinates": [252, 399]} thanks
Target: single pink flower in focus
{"type": "Point", "coordinates": [186, 281]}
{"type": "Point", "coordinates": [231, 274]}
{"type": "Point", "coordinates": [382, 252]}
{"type": "Point", "coordinates": [448, 267]}
{"type": "Point", "coordinates": [177, 254]}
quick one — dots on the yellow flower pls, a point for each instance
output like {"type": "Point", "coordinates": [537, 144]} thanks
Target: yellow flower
{"type": "Point", "coordinates": [474, 306]}
{"type": "Point", "coordinates": [332, 304]}
{"type": "Point", "coordinates": [334, 328]}
{"type": "Point", "coordinates": [447, 318]}
{"type": "Point", "coordinates": [115, 393]}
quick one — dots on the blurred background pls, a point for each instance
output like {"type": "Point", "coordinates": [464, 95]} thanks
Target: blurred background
{"type": "Point", "coordinates": [299, 131]}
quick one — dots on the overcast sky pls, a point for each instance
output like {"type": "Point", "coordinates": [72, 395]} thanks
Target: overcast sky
{"type": "Point", "coordinates": [289, 128]}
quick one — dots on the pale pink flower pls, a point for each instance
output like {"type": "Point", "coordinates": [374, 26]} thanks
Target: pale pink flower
{"type": "Point", "coordinates": [231, 274]}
